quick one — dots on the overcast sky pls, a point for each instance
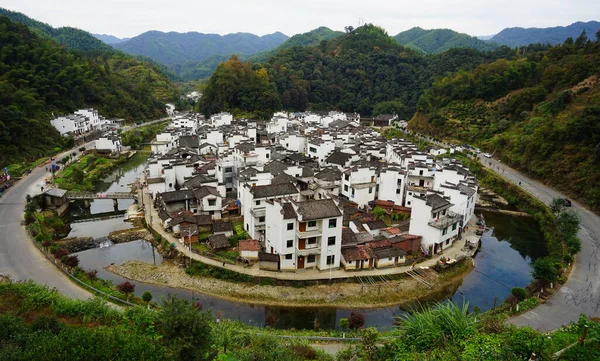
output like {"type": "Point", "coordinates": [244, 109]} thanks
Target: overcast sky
{"type": "Point", "coordinates": [127, 18]}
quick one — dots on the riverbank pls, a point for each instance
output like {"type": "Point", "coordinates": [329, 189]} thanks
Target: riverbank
{"type": "Point", "coordinates": [339, 294]}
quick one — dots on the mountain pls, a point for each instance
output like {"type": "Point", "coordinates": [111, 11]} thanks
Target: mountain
{"type": "Point", "coordinates": [205, 67]}
{"type": "Point", "coordinates": [39, 77]}
{"type": "Point", "coordinates": [436, 41]}
{"type": "Point", "coordinates": [109, 39]}
{"type": "Point", "coordinates": [556, 35]}
{"type": "Point", "coordinates": [180, 48]}
{"type": "Point", "coordinates": [540, 114]}
{"type": "Point", "coordinates": [484, 37]}
{"type": "Point", "coordinates": [70, 38]}
{"type": "Point", "coordinates": [364, 71]}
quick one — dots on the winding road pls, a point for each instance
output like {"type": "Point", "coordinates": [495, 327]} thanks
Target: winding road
{"type": "Point", "coordinates": [581, 293]}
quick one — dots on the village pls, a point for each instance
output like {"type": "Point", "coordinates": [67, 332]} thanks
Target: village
{"type": "Point", "coordinates": [307, 193]}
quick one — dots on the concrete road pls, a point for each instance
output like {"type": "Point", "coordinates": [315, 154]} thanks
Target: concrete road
{"type": "Point", "coordinates": [581, 293]}
{"type": "Point", "coordinates": [19, 258]}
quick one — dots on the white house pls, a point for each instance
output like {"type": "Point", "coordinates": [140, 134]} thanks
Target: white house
{"type": "Point", "coordinates": [359, 184]}
{"type": "Point", "coordinates": [392, 180]}
{"type": "Point", "coordinates": [221, 119]}
{"type": "Point", "coordinates": [319, 149]}
{"type": "Point", "coordinates": [432, 219]}
{"type": "Point", "coordinates": [293, 142]}
{"type": "Point", "coordinates": [305, 234]}
{"type": "Point", "coordinates": [108, 143]}
{"type": "Point", "coordinates": [210, 201]}
{"type": "Point", "coordinates": [254, 206]}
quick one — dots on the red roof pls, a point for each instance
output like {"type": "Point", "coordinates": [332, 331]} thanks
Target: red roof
{"type": "Point", "coordinates": [392, 230]}
{"type": "Point", "coordinates": [379, 244]}
{"type": "Point", "coordinates": [249, 245]}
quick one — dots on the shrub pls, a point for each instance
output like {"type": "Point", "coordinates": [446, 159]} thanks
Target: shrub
{"type": "Point", "coordinates": [519, 293]}
{"type": "Point", "coordinates": [147, 296]}
{"type": "Point", "coordinates": [60, 253]}
{"type": "Point", "coordinates": [356, 320]}
{"type": "Point", "coordinates": [70, 261]}
{"type": "Point", "coordinates": [127, 288]}
{"type": "Point", "coordinates": [344, 323]}
{"type": "Point", "coordinates": [92, 275]}
{"type": "Point", "coordinates": [544, 269]}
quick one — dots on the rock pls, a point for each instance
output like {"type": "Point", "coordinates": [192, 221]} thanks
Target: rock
{"type": "Point", "coordinates": [78, 244]}
{"type": "Point", "coordinates": [129, 235]}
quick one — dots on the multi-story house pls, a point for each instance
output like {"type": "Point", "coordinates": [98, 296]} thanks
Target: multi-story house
{"type": "Point", "coordinates": [305, 234]}
{"type": "Point", "coordinates": [254, 206]}
{"type": "Point", "coordinates": [432, 219]}
{"type": "Point", "coordinates": [419, 180]}
{"type": "Point", "coordinates": [359, 184]}
{"type": "Point", "coordinates": [392, 181]}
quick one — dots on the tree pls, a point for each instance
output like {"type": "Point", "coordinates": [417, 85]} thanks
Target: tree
{"type": "Point", "coordinates": [344, 323]}
{"type": "Point", "coordinates": [77, 175]}
{"type": "Point", "coordinates": [356, 319]}
{"type": "Point", "coordinates": [187, 330]}
{"type": "Point", "coordinates": [127, 288]}
{"type": "Point", "coordinates": [568, 223]}
{"type": "Point", "coordinates": [556, 205]}
{"type": "Point", "coordinates": [379, 213]}
{"type": "Point", "coordinates": [147, 297]}
{"type": "Point", "coordinates": [519, 293]}
{"type": "Point", "coordinates": [71, 261]}
{"type": "Point", "coordinates": [544, 269]}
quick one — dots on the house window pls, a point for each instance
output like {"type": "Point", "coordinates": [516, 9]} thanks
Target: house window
{"type": "Point", "coordinates": [228, 170]}
{"type": "Point", "coordinates": [454, 227]}
{"type": "Point", "coordinates": [347, 176]}
{"type": "Point", "coordinates": [212, 202]}
{"type": "Point", "coordinates": [370, 190]}
{"type": "Point", "coordinates": [290, 226]}
{"type": "Point", "coordinates": [288, 256]}
{"type": "Point", "coordinates": [261, 219]}
{"type": "Point", "coordinates": [290, 243]}
{"type": "Point", "coordinates": [331, 241]}
{"type": "Point", "coordinates": [352, 192]}
{"type": "Point", "coordinates": [397, 191]}
{"type": "Point", "coordinates": [408, 203]}
{"type": "Point", "coordinates": [312, 240]}
{"type": "Point", "coordinates": [267, 155]}
{"type": "Point", "coordinates": [311, 258]}
{"type": "Point", "coordinates": [445, 231]}
{"type": "Point", "coordinates": [330, 260]}
{"type": "Point", "coordinates": [420, 172]}
{"type": "Point", "coordinates": [333, 223]}
{"type": "Point", "coordinates": [312, 149]}
{"type": "Point", "coordinates": [258, 203]}
{"type": "Point", "coordinates": [389, 259]}
{"type": "Point", "coordinates": [229, 180]}
{"type": "Point", "coordinates": [312, 223]}
{"type": "Point", "coordinates": [448, 241]}
{"type": "Point", "coordinates": [247, 228]}
{"type": "Point", "coordinates": [345, 188]}
{"type": "Point", "coordinates": [410, 193]}
{"type": "Point", "coordinates": [211, 212]}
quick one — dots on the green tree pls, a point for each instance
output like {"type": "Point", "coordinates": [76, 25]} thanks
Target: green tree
{"type": "Point", "coordinates": [379, 213]}
{"type": "Point", "coordinates": [187, 330]}
{"type": "Point", "coordinates": [147, 297]}
{"type": "Point", "coordinates": [556, 205]}
{"type": "Point", "coordinates": [544, 269]}
{"type": "Point", "coordinates": [344, 323]}
{"type": "Point", "coordinates": [519, 293]}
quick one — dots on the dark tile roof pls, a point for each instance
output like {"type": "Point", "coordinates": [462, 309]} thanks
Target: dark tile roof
{"type": "Point", "coordinates": [204, 220]}
{"type": "Point", "coordinates": [376, 225]}
{"type": "Point", "coordinates": [198, 180]}
{"type": "Point", "coordinates": [177, 196]}
{"type": "Point", "coordinates": [307, 172]}
{"type": "Point", "coordinates": [288, 211]}
{"type": "Point", "coordinates": [329, 174]}
{"type": "Point", "coordinates": [190, 141]}
{"type": "Point", "coordinates": [282, 178]}
{"type": "Point", "coordinates": [275, 167]}
{"type": "Point", "coordinates": [222, 227]}
{"type": "Point", "coordinates": [273, 190]}
{"type": "Point", "coordinates": [435, 201]}
{"type": "Point", "coordinates": [267, 257]}
{"type": "Point", "coordinates": [245, 147]}
{"type": "Point", "coordinates": [389, 252]}
{"type": "Point", "coordinates": [348, 237]}
{"type": "Point", "coordinates": [163, 215]}
{"type": "Point", "coordinates": [218, 241]}
{"type": "Point", "coordinates": [318, 209]}
{"type": "Point", "coordinates": [206, 191]}
{"type": "Point", "coordinates": [338, 157]}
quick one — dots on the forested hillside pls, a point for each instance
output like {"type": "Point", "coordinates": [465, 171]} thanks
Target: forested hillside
{"type": "Point", "coordinates": [180, 48]}
{"type": "Point", "coordinates": [540, 114]}
{"type": "Point", "coordinates": [555, 35]}
{"type": "Point", "coordinates": [364, 71]}
{"type": "Point", "coordinates": [436, 41]}
{"type": "Point", "coordinates": [39, 78]}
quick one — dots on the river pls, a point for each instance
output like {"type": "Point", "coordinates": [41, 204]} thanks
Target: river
{"type": "Point", "coordinates": [503, 262]}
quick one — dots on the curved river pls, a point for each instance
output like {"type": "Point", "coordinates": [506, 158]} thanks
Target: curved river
{"type": "Point", "coordinates": [503, 262]}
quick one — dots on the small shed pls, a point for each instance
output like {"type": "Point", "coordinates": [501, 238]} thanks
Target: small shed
{"type": "Point", "coordinates": [56, 198]}
{"type": "Point", "coordinates": [249, 249]}
{"type": "Point", "coordinates": [218, 242]}
{"type": "Point", "coordinates": [225, 228]}
{"type": "Point", "coordinates": [268, 261]}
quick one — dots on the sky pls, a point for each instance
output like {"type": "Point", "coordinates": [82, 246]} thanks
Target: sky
{"type": "Point", "coordinates": [128, 18]}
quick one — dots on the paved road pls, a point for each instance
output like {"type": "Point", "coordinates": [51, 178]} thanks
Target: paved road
{"type": "Point", "coordinates": [581, 293]}
{"type": "Point", "coordinates": [19, 258]}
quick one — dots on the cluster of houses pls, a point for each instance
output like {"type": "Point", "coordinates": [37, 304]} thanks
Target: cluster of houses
{"type": "Point", "coordinates": [304, 185]}
{"type": "Point", "coordinates": [83, 121]}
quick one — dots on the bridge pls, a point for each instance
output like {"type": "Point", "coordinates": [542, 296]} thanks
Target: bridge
{"type": "Point", "coordinates": [90, 195]}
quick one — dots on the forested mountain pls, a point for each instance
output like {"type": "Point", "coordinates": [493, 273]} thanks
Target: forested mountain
{"type": "Point", "coordinates": [109, 39]}
{"type": "Point", "coordinates": [205, 67]}
{"type": "Point", "coordinates": [436, 41]}
{"type": "Point", "coordinates": [180, 48]}
{"type": "Point", "coordinates": [364, 71]}
{"type": "Point", "coordinates": [556, 35]}
{"type": "Point", "coordinates": [70, 38]}
{"type": "Point", "coordinates": [39, 78]}
{"type": "Point", "coordinates": [540, 114]}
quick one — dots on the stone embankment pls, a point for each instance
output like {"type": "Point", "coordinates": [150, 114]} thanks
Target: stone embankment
{"type": "Point", "coordinates": [129, 235]}
{"type": "Point", "coordinates": [78, 244]}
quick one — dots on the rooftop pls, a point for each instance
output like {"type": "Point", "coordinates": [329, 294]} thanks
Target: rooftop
{"type": "Point", "coordinates": [318, 209]}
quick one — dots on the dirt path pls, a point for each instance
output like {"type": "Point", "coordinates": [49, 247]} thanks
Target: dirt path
{"type": "Point", "coordinates": [345, 294]}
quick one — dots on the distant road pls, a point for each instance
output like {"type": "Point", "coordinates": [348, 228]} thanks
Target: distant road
{"type": "Point", "coordinates": [129, 127]}
{"type": "Point", "coordinates": [19, 258]}
{"type": "Point", "coordinates": [581, 293]}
